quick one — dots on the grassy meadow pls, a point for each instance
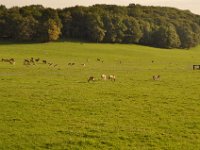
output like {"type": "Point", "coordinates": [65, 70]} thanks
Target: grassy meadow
{"type": "Point", "coordinates": [46, 107]}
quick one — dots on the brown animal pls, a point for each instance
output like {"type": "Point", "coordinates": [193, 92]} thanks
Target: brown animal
{"type": "Point", "coordinates": [55, 65]}
{"type": "Point", "coordinates": [98, 59]}
{"type": "Point", "coordinates": [5, 60]}
{"type": "Point", "coordinates": [71, 64]}
{"type": "Point", "coordinates": [91, 78]}
{"type": "Point", "coordinates": [12, 62]}
{"type": "Point", "coordinates": [156, 77]}
{"type": "Point", "coordinates": [12, 59]}
{"type": "Point", "coordinates": [26, 62]}
{"type": "Point", "coordinates": [37, 60]}
{"type": "Point", "coordinates": [83, 65]}
{"type": "Point", "coordinates": [112, 77]}
{"type": "Point", "coordinates": [44, 62]}
{"type": "Point", "coordinates": [32, 61]}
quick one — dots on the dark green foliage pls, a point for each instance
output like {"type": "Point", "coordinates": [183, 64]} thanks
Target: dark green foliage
{"type": "Point", "coordinates": [133, 32]}
{"type": "Point", "coordinates": [27, 29]}
{"type": "Point", "coordinates": [154, 26]}
{"type": "Point", "coordinates": [167, 37]}
{"type": "Point", "coordinates": [115, 29]}
{"type": "Point", "coordinates": [147, 30]}
{"type": "Point", "coordinates": [135, 10]}
{"type": "Point", "coordinates": [66, 19]}
{"type": "Point", "coordinates": [3, 27]}
{"type": "Point", "coordinates": [110, 35]}
{"type": "Point", "coordinates": [187, 37]}
{"type": "Point", "coordinates": [50, 26]}
{"type": "Point", "coordinates": [13, 22]}
{"type": "Point", "coordinates": [94, 28]}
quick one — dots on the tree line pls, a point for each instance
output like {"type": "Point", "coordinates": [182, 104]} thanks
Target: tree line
{"type": "Point", "coordinates": [146, 25]}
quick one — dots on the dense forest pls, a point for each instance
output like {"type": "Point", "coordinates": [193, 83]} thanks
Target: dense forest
{"type": "Point", "coordinates": [146, 25]}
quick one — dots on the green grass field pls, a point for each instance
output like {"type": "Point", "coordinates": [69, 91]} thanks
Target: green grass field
{"type": "Point", "coordinates": [43, 107]}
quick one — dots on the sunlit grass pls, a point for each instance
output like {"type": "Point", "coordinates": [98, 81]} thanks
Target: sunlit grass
{"type": "Point", "coordinates": [56, 108]}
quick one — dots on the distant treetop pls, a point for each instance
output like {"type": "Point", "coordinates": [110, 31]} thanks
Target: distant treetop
{"type": "Point", "coordinates": [146, 25]}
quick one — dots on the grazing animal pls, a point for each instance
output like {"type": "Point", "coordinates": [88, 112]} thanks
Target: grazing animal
{"type": "Point", "coordinates": [103, 77]}
{"type": "Point", "coordinates": [44, 62]}
{"type": "Point", "coordinates": [26, 62]}
{"type": "Point", "coordinates": [12, 62]}
{"type": "Point", "coordinates": [50, 64]}
{"type": "Point", "coordinates": [37, 60]}
{"type": "Point", "coordinates": [112, 77]}
{"type": "Point", "coordinates": [83, 65]}
{"type": "Point", "coordinates": [156, 77]}
{"type": "Point", "coordinates": [5, 60]}
{"type": "Point", "coordinates": [55, 65]}
{"type": "Point", "coordinates": [12, 59]}
{"type": "Point", "coordinates": [71, 64]}
{"type": "Point", "coordinates": [32, 61]}
{"type": "Point", "coordinates": [98, 59]}
{"type": "Point", "coordinates": [196, 67]}
{"type": "Point", "coordinates": [91, 78]}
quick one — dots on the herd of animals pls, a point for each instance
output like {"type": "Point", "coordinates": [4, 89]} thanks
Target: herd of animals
{"type": "Point", "coordinates": [33, 61]}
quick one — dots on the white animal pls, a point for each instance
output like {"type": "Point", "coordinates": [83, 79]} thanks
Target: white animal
{"type": "Point", "coordinates": [112, 77]}
{"type": "Point", "coordinates": [103, 77]}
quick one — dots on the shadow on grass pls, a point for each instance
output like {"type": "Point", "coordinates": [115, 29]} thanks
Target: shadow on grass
{"type": "Point", "coordinates": [15, 42]}
{"type": "Point", "coordinates": [82, 82]}
{"type": "Point", "coordinates": [12, 42]}
{"type": "Point", "coordinates": [80, 41]}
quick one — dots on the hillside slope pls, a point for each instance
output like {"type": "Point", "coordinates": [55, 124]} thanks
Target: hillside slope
{"type": "Point", "coordinates": [46, 107]}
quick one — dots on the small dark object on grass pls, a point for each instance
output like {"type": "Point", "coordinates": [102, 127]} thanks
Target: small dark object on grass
{"type": "Point", "coordinates": [91, 78]}
{"type": "Point", "coordinates": [156, 77]}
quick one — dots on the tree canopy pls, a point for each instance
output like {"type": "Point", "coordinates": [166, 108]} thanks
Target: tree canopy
{"type": "Point", "coordinates": [163, 27]}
